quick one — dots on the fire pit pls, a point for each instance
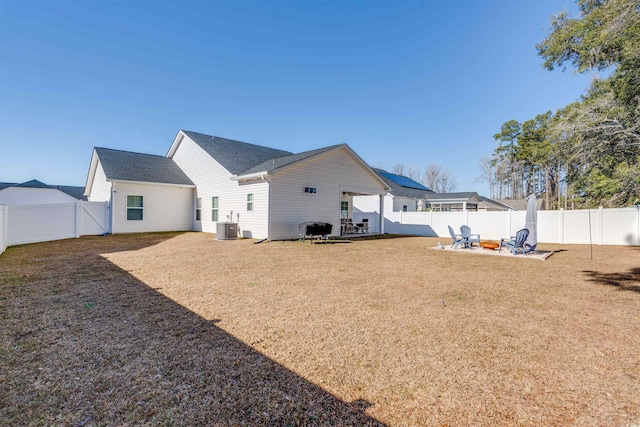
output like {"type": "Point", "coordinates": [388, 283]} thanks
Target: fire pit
{"type": "Point", "coordinates": [490, 245]}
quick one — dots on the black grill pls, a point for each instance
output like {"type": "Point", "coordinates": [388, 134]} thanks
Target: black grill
{"type": "Point", "coordinates": [315, 229]}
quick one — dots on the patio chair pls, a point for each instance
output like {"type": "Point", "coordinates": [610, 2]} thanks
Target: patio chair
{"type": "Point", "coordinates": [457, 238]}
{"type": "Point", "coordinates": [516, 243]}
{"type": "Point", "coordinates": [469, 239]}
{"type": "Point", "coordinates": [363, 227]}
{"type": "Point", "coordinates": [350, 228]}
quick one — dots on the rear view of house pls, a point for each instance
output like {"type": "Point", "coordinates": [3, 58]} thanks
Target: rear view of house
{"type": "Point", "coordinates": [204, 180]}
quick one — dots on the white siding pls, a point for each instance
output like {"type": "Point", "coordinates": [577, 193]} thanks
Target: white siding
{"type": "Point", "coordinates": [100, 190]}
{"type": "Point", "coordinates": [211, 179]}
{"type": "Point", "coordinates": [331, 173]}
{"type": "Point", "coordinates": [399, 202]}
{"type": "Point", "coordinates": [21, 196]}
{"type": "Point", "coordinates": [166, 208]}
{"type": "Point", "coordinates": [369, 207]}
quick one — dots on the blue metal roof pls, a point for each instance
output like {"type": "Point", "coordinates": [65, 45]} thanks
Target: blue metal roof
{"type": "Point", "coordinates": [403, 181]}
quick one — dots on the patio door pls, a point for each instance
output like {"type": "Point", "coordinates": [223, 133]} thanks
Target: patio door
{"type": "Point", "coordinates": [344, 209]}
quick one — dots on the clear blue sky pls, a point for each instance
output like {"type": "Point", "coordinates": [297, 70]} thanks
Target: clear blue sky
{"type": "Point", "coordinates": [400, 82]}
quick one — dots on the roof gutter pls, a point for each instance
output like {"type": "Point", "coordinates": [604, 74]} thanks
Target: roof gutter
{"type": "Point", "coordinates": [151, 183]}
{"type": "Point", "coordinates": [257, 175]}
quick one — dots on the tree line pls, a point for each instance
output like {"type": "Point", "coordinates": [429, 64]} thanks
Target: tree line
{"type": "Point", "coordinates": [588, 153]}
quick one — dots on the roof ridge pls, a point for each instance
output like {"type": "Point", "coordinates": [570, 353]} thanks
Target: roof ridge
{"type": "Point", "coordinates": [328, 147]}
{"type": "Point", "coordinates": [213, 137]}
{"type": "Point", "coordinates": [130, 152]}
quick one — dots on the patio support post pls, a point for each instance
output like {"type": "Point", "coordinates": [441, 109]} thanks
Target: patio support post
{"type": "Point", "coordinates": [381, 214]}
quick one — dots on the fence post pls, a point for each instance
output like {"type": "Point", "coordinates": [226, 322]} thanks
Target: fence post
{"type": "Point", "coordinates": [78, 224]}
{"type": "Point", "coordinates": [4, 242]}
{"type": "Point", "coordinates": [638, 226]}
{"type": "Point", "coordinates": [561, 225]}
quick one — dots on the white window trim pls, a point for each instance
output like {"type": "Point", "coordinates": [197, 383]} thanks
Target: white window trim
{"type": "Point", "coordinates": [216, 209]}
{"type": "Point", "coordinates": [126, 212]}
{"type": "Point", "coordinates": [249, 202]}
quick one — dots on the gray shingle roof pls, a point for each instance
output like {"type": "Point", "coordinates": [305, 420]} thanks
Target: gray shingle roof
{"type": "Point", "coordinates": [279, 162]}
{"type": "Point", "coordinates": [128, 166]}
{"type": "Point", "coordinates": [495, 203]}
{"type": "Point", "coordinates": [400, 191]}
{"type": "Point", "coordinates": [235, 156]}
{"type": "Point", "coordinates": [34, 183]}
{"type": "Point", "coordinates": [76, 192]}
{"type": "Point", "coordinates": [452, 196]}
{"type": "Point", "coordinates": [4, 185]}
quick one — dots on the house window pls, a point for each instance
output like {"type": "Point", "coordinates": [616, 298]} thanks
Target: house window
{"type": "Point", "coordinates": [249, 202]}
{"type": "Point", "coordinates": [311, 190]}
{"type": "Point", "coordinates": [214, 209]}
{"type": "Point", "coordinates": [134, 208]}
{"type": "Point", "coordinates": [198, 208]}
{"type": "Point", "coordinates": [404, 208]}
{"type": "Point", "coordinates": [344, 209]}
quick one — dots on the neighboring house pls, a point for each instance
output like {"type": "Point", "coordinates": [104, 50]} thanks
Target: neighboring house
{"type": "Point", "coordinates": [404, 195]}
{"type": "Point", "coordinates": [408, 195]}
{"type": "Point", "coordinates": [204, 180]}
{"type": "Point", "coordinates": [521, 204]}
{"type": "Point", "coordinates": [455, 202]}
{"type": "Point", "coordinates": [35, 192]}
{"type": "Point", "coordinates": [487, 204]}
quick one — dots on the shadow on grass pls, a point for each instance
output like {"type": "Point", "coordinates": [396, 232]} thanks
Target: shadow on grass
{"type": "Point", "coordinates": [629, 281]}
{"type": "Point", "coordinates": [90, 344]}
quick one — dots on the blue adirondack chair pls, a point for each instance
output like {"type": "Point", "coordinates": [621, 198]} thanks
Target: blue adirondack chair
{"type": "Point", "coordinates": [457, 238]}
{"type": "Point", "coordinates": [516, 243]}
{"type": "Point", "coordinates": [469, 239]}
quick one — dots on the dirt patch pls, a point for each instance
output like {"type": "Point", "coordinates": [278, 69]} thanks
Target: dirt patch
{"type": "Point", "coordinates": [184, 329]}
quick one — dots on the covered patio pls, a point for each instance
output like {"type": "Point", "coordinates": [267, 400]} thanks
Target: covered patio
{"type": "Point", "coordinates": [363, 224]}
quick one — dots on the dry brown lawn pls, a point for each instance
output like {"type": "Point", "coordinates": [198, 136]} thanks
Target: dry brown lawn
{"type": "Point", "coordinates": [181, 329]}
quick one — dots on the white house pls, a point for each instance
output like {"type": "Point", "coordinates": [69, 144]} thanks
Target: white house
{"type": "Point", "coordinates": [35, 192]}
{"type": "Point", "coordinates": [404, 195]}
{"type": "Point", "coordinates": [204, 180]}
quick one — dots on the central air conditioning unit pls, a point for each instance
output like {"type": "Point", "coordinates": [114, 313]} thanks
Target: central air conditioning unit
{"type": "Point", "coordinates": [227, 231]}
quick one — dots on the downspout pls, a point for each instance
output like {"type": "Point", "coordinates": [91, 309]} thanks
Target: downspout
{"type": "Point", "coordinates": [262, 177]}
{"type": "Point", "coordinates": [110, 207]}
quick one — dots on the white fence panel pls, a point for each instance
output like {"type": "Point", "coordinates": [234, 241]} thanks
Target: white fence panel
{"type": "Point", "coordinates": [620, 227]}
{"type": "Point", "coordinates": [551, 226]}
{"type": "Point", "coordinates": [54, 221]}
{"type": "Point", "coordinates": [598, 226]}
{"type": "Point", "coordinates": [441, 221]}
{"type": "Point", "coordinates": [40, 223]}
{"type": "Point", "coordinates": [576, 226]}
{"type": "Point", "coordinates": [95, 218]}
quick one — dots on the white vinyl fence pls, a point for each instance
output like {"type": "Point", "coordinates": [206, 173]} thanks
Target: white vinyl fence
{"type": "Point", "coordinates": [600, 226]}
{"type": "Point", "coordinates": [41, 223]}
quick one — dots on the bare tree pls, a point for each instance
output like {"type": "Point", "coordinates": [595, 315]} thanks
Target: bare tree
{"type": "Point", "coordinates": [415, 173]}
{"type": "Point", "coordinates": [398, 169]}
{"type": "Point", "coordinates": [438, 179]}
{"type": "Point", "coordinates": [488, 175]}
